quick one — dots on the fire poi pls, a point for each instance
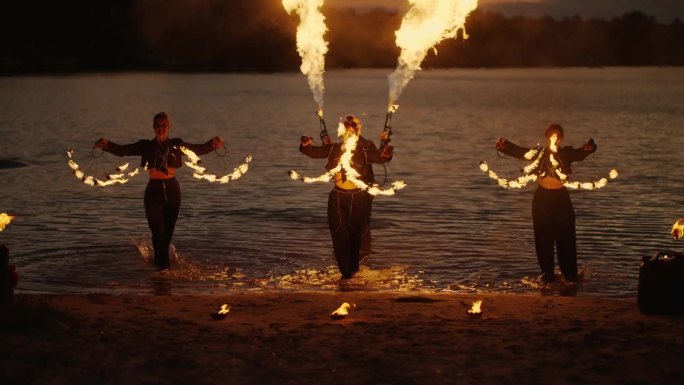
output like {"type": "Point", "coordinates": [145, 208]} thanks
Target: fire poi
{"type": "Point", "coordinates": [677, 229]}
{"type": "Point", "coordinates": [341, 312]}
{"type": "Point", "coordinates": [538, 154]}
{"type": "Point", "coordinates": [5, 220]}
{"type": "Point", "coordinates": [201, 172]}
{"type": "Point", "coordinates": [118, 176]}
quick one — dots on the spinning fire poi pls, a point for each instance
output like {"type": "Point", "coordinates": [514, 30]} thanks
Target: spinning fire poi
{"type": "Point", "coordinates": [161, 157]}
{"type": "Point", "coordinates": [553, 215]}
{"type": "Point", "coordinates": [677, 229]}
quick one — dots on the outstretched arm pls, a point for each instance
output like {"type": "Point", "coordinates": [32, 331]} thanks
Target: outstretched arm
{"type": "Point", "coordinates": [118, 149]}
{"type": "Point", "coordinates": [580, 153]}
{"type": "Point", "coordinates": [206, 147]}
{"type": "Point", "coordinates": [511, 149]}
{"type": "Point", "coordinates": [307, 148]}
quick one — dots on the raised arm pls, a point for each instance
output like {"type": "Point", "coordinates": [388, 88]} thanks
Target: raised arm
{"type": "Point", "coordinates": [382, 155]}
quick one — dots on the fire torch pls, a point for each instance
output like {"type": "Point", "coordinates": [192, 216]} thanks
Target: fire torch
{"type": "Point", "coordinates": [388, 121]}
{"type": "Point", "coordinates": [324, 131]}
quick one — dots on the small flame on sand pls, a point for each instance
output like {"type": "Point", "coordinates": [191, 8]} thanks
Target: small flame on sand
{"type": "Point", "coordinates": [677, 228]}
{"type": "Point", "coordinates": [5, 219]}
{"type": "Point", "coordinates": [476, 309]}
{"type": "Point", "coordinates": [426, 23]}
{"type": "Point", "coordinates": [341, 311]}
{"type": "Point", "coordinates": [222, 313]}
{"type": "Point", "coordinates": [311, 45]}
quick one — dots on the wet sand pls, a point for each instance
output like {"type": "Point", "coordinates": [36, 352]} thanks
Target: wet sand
{"type": "Point", "coordinates": [289, 338]}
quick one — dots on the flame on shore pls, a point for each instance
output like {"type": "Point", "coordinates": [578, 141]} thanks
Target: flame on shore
{"type": "Point", "coordinates": [5, 220]}
{"type": "Point", "coordinates": [120, 177]}
{"type": "Point", "coordinates": [311, 45]}
{"type": "Point", "coordinates": [426, 23]}
{"type": "Point", "coordinates": [476, 309]}
{"type": "Point", "coordinates": [341, 311]}
{"type": "Point", "coordinates": [200, 172]}
{"type": "Point", "coordinates": [678, 229]}
{"type": "Point", "coordinates": [348, 147]}
{"type": "Point", "coordinates": [224, 309]}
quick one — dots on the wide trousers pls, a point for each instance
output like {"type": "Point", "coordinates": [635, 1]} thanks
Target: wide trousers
{"type": "Point", "coordinates": [349, 222]}
{"type": "Point", "coordinates": [554, 225]}
{"type": "Point", "coordinates": [162, 204]}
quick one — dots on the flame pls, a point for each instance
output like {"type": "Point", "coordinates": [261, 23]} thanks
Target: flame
{"type": "Point", "coordinates": [118, 178]}
{"type": "Point", "coordinates": [200, 172]}
{"type": "Point", "coordinates": [5, 220]}
{"type": "Point", "coordinates": [311, 45]}
{"type": "Point", "coordinates": [476, 308]}
{"type": "Point", "coordinates": [677, 228]}
{"type": "Point", "coordinates": [341, 311]}
{"type": "Point", "coordinates": [426, 23]}
{"type": "Point", "coordinates": [224, 309]}
{"type": "Point", "coordinates": [348, 146]}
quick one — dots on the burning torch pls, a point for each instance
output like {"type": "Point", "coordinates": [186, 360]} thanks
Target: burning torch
{"type": "Point", "coordinates": [388, 121]}
{"type": "Point", "coordinates": [324, 131]}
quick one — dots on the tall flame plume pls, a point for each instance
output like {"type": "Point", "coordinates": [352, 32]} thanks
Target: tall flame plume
{"type": "Point", "coordinates": [426, 23]}
{"type": "Point", "coordinates": [311, 45]}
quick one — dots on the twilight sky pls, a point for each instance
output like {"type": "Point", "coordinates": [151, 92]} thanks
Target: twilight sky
{"type": "Point", "coordinates": [663, 10]}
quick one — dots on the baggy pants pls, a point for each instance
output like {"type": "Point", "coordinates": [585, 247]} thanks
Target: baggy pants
{"type": "Point", "coordinates": [554, 225]}
{"type": "Point", "coordinates": [348, 218]}
{"type": "Point", "coordinates": [162, 204]}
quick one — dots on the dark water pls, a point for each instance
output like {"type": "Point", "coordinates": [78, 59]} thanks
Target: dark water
{"type": "Point", "coordinates": [451, 228]}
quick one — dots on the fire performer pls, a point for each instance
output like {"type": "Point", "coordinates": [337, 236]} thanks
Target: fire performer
{"type": "Point", "coordinates": [553, 215]}
{"type": "Point", "coordinates": [349, 206]}
{"type": "Point", "coordinates": [161, 156]}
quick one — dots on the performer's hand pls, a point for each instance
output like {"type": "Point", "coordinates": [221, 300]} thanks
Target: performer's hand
{"type": "Point", "coordinates": [101, 143]}
{"type": "Point", "coordinates": [217, 142]}
{"type": "Point", "coordinates": [387, 152]}
{"type": "Point", "coordinates": [590, 146]}
{"type": "Point", "coordinates": [327, 140]}
{"type": "Point", "coordinates": [384, 136]}
{"type": "Point", "coordinates": [306, 140]}
{"type": "Point", "coordinates": [500, 144]}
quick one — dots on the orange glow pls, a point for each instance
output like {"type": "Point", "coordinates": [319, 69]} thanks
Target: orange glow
{"type": "Point", "coordinates": [5, 219]}
{"type": "Point", "coordinates": [111, 179]}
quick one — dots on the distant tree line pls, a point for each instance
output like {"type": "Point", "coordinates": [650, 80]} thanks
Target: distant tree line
{"type": "Point", "coordinates": [259, 36]}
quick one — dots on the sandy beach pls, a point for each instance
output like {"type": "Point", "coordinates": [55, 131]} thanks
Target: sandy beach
{"type": "Point", "coordinates": [387, 338]}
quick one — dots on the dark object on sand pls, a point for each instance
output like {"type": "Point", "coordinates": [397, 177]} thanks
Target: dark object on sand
{"type": "Point", "coordinates": [661, 283]}
{"type": "Point", "coordinates": [219, 316]}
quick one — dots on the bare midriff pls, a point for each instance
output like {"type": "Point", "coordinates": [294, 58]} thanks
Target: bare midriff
{"type": "Point", "coordinates": [344, 184]}
{"type": "Point", "coordinates": [550, 183]}
{"type": "Point", "coordinates": [160, 175]}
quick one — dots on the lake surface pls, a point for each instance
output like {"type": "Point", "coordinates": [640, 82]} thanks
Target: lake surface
{"type": "Point", "coordinates": [451, 228]}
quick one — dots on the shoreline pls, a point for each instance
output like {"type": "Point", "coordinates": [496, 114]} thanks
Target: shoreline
{"type": "Point", "coordinates": [388, 338]}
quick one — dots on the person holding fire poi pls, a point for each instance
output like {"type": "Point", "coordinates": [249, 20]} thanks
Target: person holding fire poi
{"type": "Point", "coordinates": [349, 206]}
{"type": "Point", "coordinates": [161, 156]}
{"type": "Point", "coordinates": [553, 215]}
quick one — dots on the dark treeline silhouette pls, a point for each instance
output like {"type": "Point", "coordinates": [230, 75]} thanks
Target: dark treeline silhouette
{"type": "Point", "coordinates": [259, 36]}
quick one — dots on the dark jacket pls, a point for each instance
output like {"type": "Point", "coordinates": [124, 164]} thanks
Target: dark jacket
{"type": "Point", "coordinates": [168, 154]}
{"type": "Point", "coordinates": [364, 155]}
{"type": "Point", "coordinates": [565, 156]}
